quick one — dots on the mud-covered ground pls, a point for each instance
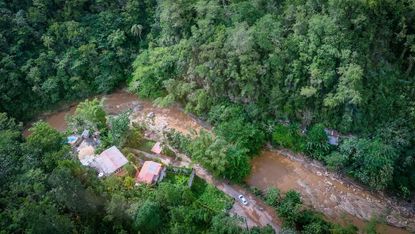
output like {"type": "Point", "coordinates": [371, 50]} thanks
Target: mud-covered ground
{"type": "Point", "coordinates": [338, 198]}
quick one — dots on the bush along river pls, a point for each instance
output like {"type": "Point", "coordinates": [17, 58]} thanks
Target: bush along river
{"type": "Point", "coordinates": [339, 199]}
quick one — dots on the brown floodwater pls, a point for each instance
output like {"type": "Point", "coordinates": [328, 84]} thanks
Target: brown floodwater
{"type": "Point", "coordinates": [113, 103]}
{"type": "Point", "coordinates": [338, 200]}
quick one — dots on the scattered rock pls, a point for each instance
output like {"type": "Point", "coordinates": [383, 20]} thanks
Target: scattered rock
{"type": "Point", "coordinates": [151, 115]}
{"type": "Point", "coordinates": [333, 198]}
{"type": "Point", "coordinates": [137, 107]}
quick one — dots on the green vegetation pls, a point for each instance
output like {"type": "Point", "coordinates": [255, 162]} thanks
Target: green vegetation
{"type": "Point", "coordinates": [370, 161]}
{"type": "Point", "coordinates": [247, 66]}
{"type": "Point", "coordinates": [317, 145]}
{"type": "Point", "coordinates": [88, 115]}
{"type": "Point", "coordinates": [119, 128]}
{"type": "Point", "coordinates": [53, 51]}
{"type": "Point", "coordinates": [272, 196]}
{"type": "Point", "coordinates": [298, 219]}
{"type": "Point", "coordinates": [134, 137]}
{"type": "Point", "coordinates": [222, 158]}
{"type": "Point", "coordinates": [146, 145]}
{"type": "Point", "coordinates": [257, 70]}
{"type": "Point", "coordinates": [289, 208]}
{"type": "Point", "coordinates": [288, 137]}
{"type": "Point", "coordinates": [44, 189]}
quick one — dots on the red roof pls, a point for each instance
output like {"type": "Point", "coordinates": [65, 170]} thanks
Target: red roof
{"type": "Point", "coordinates": [156, 148]}
{"type": "Point", "coordinates": [149, 173]}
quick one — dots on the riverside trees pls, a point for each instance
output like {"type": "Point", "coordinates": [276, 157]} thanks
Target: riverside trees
{"type": "Point", "coordinates": [45, 189]}
{"type": "Point", "coordinates": [53, 51]}
{"type": "Point", "coordinates": [341, 64]}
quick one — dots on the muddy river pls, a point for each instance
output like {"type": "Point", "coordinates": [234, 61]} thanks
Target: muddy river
{"type": "Point", "coordinates": [341, 201]}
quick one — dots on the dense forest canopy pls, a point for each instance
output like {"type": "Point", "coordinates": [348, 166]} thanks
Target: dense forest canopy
{"type": "Point", "coordinates": [260, 70]}
{"type": "Point", "coordinates": [44, 189]}
{"type": "Point", "coordinates": [52, 50]}
{"type": "Point", "coordinates": [346, 65]}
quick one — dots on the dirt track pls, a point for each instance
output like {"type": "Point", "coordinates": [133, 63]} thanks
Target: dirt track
{"type": "Point", "coordinates": [256, 213]}
{"type": "Point", "coordinates": [324, 191]}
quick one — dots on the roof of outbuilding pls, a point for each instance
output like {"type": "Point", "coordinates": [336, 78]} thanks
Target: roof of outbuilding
{"type": "Point", "coordinates": [157, 148]}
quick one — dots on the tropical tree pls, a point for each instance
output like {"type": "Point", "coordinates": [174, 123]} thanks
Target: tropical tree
{"type": "Point", "coordinates": [148, 217]}
{"type": "Point", "coordinates": [137, 30]}
{"type": "Point", "coordinates": [317, 145]}
{"type": "Point", "coordinates": [119, 128]}
{"type": "Point", "coordinates": [89, 114]}
{"type": "Point", "coordinates": [290, 208]}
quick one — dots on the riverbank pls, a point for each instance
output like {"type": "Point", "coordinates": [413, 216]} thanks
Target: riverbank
{"type": "Point", "coordinates": [330, 196]}
{"type": "Point", "coordinates": [341, 201]}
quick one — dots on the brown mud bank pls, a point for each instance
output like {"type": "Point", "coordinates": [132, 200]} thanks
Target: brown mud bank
{"type": "Point", "coordinates": [114, 103]}
{"type": "Point", "coordinates": [340, 200]}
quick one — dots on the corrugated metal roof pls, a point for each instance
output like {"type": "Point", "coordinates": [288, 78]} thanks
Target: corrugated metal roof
{"type": "Point", "coordinates": [110, 160]}
{"type": "Point", "coordinates": [149, 172]}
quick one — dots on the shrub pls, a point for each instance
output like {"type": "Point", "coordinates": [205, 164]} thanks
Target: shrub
{"type": "Point", "coordinates": [134, 138]}
{"type": "Point", "coordinates": [313, 223]}
{"type": "Point", "coordinates": [242, 134]}
{"type": "Point", "coordinates": [289, 208]}
{"type": "Point", "coordinates": [288, 137]}
{"type": "Point", "coordinates": [336, 161]}
{"type": "Point", "coordinates": [272, 196]}
{"type": "Point", "coordinates": [348, 229]}
{"type": "Point", "coordinates": [178, 140]}
{"type": "Point", "coordinates": [372, 162]}
{"type": "Point", "coordinates": [168, 152]}
{"type": "Point", "coordinates": [238, 166]}
{"type": "Point", "coordinates": [119, 128]}
{"type": "Point", "coordinates": [130, 169]}
{"type": "Point", "coordinates": [317, 145]}
{"type": "Point", "coordinates": [256, 191]}
{"type": "Point", "coordinates": [88, 115]}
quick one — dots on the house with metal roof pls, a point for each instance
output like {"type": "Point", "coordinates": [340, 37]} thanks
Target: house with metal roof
{"type": "Point", "coordinates": [150, 173]}
{"type": "Point", "coordinates": [109, 161]}
{"type": "Point", "coordinates": [333, 136]}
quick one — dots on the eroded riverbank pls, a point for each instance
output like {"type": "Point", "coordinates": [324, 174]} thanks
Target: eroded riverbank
{"type": "Point", "coordinates": [339, 200]}
{"type": "Point", "coordinates": [322, 191]}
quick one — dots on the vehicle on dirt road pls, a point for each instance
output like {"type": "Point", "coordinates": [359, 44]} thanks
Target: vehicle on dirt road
{"type": "Point", "coordinates": [242, 199]}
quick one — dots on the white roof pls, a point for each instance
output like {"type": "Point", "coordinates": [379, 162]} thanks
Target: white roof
{"type": "Point", "coordinates": [87, 160]}
{"type": "Point", "coordinates": [85, 133]}
{"type": "Point", "coordinates": [109, 161]}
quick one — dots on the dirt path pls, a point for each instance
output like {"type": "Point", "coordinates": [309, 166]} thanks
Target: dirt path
{"type": "Point", "coordinates": [320, 189]}
{"type": "Point", "coordinates": [339, 201]}
{"type": "Point", "coordinates": [256, 213]}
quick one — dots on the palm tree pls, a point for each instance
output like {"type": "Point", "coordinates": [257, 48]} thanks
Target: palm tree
{"type": "Point", "coordinates": [47, 41]}
{"type": "Point", "coordinates": [136, 30]}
